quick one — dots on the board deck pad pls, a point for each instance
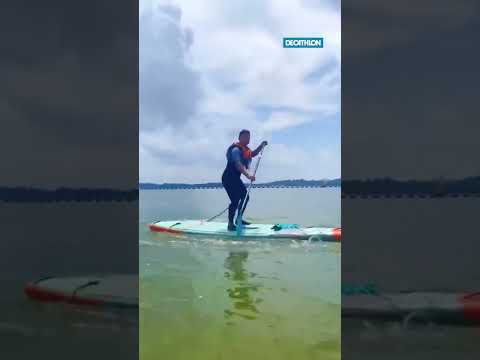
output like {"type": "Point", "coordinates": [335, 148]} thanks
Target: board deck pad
{"type": "Point", "coordinates": [103, 290]}
{"type": "Point", "coordinates": [253, 231]}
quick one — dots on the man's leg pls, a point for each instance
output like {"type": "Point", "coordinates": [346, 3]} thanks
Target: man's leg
{"type": "Point", "coordinates": [234, 196]}
{"type": "Point", "coordinates": [243, 201]}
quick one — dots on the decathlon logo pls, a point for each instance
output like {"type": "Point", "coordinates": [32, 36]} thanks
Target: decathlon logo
{"type": "Point", "coordinates": [303, 42]}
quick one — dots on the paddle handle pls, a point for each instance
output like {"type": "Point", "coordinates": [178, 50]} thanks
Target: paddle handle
{"type": "Point", "coordinates": [255, 171]}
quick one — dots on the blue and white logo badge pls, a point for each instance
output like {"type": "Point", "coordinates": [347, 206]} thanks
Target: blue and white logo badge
{"type": "Point", "coordinates": [303, 42]}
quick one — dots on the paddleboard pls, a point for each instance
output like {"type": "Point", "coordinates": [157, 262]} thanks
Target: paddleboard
{"type": "Point", "coordinates": [104, 290]}
{"type": "Point", "coordinates": [436, 306]}
{"type": "Point", "coordinates": [253, 231]}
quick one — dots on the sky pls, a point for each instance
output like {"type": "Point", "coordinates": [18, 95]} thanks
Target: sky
{"type": "Point", "coordinates": [69, 111]}
{"type": "Point", "coordinates": [409, 89]}
{"type": "Point", "coordinates": [210, 68]}
{"type": "Point", "coordinates": [68, 100]}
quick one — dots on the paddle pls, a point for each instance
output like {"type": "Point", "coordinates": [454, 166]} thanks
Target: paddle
{"type": "Point", "coordinates": [215, 216]}
{"type": "Point", "coordinates": [241, 205]}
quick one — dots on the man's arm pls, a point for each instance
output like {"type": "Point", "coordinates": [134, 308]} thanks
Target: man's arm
{"type": "Point", "coordinates": [242, 169]}
{"type": "Point", "coordinates": [238, 163]}
{"type": "Point", "coordinates": [259, 148]}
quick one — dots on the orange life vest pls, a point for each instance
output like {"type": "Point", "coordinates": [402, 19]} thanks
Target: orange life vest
{"type": "Point", "coordinates": [246, 152]}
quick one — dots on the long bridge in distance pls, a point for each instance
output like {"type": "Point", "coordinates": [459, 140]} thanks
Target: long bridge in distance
{"type": "Point", "coordinates": [258, 186]}
{"type": "Point", "coordinates": [299, 184]}
{"type": "Point", "coordinates": [349, 189]}
{"type": "Point", "coordinates": [361, 188]}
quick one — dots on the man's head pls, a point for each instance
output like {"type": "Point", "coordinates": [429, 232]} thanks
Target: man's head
{"type": "Point", "coordinates": [244, 137]}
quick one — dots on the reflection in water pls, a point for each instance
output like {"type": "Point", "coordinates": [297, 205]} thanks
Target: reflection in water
{"type": "Point", "coordinates": [243, 292]}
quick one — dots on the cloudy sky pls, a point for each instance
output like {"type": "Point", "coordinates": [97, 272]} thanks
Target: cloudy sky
{"type": "Point", "coordinates": [211, 68]}
{"type": "Point", "coordinates": [68, 100]}
{"type": "Point", "coordinates": [409, 91]}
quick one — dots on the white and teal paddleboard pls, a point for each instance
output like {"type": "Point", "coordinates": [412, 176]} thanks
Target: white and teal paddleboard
{"type": "Point", "coordinates": [253, 231]}
{"type": "Point", "coordinates": [102, 290]}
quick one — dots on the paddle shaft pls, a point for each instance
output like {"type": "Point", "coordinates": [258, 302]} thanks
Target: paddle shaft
{"type": "Point", "coordinates": [241, 208]}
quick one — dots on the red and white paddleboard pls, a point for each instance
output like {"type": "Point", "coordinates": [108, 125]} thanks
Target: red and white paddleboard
{"type": "Point", "coordinates": [454, 307]}
{"type": "Point", "coordinates": [104, 290]}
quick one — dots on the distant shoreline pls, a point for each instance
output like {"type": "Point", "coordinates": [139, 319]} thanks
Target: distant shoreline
{"type": "Point", "coordinates": [36, 195]}
{"type": "Point", "coordinates": [270, 185]}
{"type": "Point", "coordinates": [350, 189]}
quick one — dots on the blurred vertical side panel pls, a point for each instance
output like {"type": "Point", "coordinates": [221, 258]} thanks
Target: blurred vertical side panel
{"type": "Point", "coordinates": [69, 179]}
{"type": "Point", "coordinates": [410, 179]}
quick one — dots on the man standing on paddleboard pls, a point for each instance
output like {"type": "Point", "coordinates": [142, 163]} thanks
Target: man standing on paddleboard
{"type": "Point", "coordinates": [239, 157]}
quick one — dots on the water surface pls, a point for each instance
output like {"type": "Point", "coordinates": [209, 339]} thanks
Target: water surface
{"type": "Point", "coordinates": [205, 298]}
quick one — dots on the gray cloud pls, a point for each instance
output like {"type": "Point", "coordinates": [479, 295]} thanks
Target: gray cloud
{"type": "Point", "coordinates": [169, 89]}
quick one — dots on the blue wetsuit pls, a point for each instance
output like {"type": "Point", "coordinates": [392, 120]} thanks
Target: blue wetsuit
{"type": "Point", "coordinates": [232, 182]}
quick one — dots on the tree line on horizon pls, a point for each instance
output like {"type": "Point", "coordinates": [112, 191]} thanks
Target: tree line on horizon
{"type": "Point", "coordinates": [383, 186]}
{"type": "Point", "coordinates": [470, 185]}
{"type": "Point", "coordinates": [27, 194]}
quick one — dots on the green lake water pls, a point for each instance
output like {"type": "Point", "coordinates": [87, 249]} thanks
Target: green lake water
{"type": "Point", "coordinates": [205, 298]}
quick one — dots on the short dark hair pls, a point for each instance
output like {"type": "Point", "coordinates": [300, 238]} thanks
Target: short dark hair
{"type": "Point", "coordinates": [244, 131]}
